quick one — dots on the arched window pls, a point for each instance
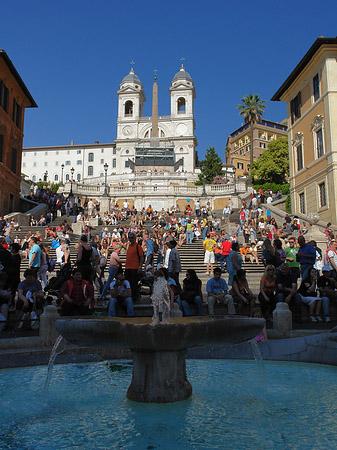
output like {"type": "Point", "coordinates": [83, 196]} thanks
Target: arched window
{"type": "Point", "coordinates": [147, 134]}
{"type": "Point", "coordinates": [128, 108]}
{"type": "Point", "coordinates": [67, 177]}
{"type": "Point", "coordinates": [181, 105]}
{"type": "Point", "coordinates": [34, 178]}
{"type": "Point", "coordinates": [90, 171]}
{"type": "Point", "coordinates": [78, 177]}
{"type": "Point", "coordinates": [56, 177]}
{"type": "Point", "coordinates": [91, 157]}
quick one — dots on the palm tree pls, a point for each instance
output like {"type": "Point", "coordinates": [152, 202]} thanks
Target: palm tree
{"type": "Point", "coordinates": [251, 108]}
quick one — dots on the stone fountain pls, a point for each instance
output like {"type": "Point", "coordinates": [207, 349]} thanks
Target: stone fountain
{"type": "Point", "coordinates": [158, 352]}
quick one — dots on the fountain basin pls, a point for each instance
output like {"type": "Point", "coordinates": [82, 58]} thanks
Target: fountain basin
{"type": "Point", "coordinates": [158, 352]}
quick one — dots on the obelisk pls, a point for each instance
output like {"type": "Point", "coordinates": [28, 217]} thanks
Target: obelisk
{"type": "Point", "coordinates": [155, 130]}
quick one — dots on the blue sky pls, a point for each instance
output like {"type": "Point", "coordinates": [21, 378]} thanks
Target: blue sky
{"type": "Point", "coordinates": [73, 54]}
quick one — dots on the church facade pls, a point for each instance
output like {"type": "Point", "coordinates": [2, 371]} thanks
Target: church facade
{"type": "Point", "coordinates": [144, 146]}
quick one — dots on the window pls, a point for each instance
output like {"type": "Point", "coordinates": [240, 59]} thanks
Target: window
{"type": "Point", "coordinates": [181, 105]}
{"type": "Point", "coordinates": [68, 152]}
{"type": "Point", "coordinates": [34, 153]}
{"type": "Point", "coordinates": [4, 96]}
{"type": "Point", "coordinates": [56, 177]}
{"type": "Point", "coordinates": [57, 153]}
{"type": "Point", "coordinates": [315, 83]}
{"type": "Point", "coordinates": [34, 178]}
{"type": "Point", "coordinates": [128, 108]}
{"type": "Point", "coordinates": [34, 164]}
{"type": "Point", "coordinates": [240, 166]}
{"type": "Point", "coordinates": [295, 108]}
{"type": "Point", "coordinates": [56, 163]}
{"type": "Point", "coordinates": [302, 203]}
{"type": "Point", "coordinates": [102, 151]}
{"type": "Point", "coordinates": [67, 177]}
{"type": "Point", "coordinates": [67, 163]}
{"type": "Point", "coordinates": [91, 157]}
{"type": "Point", "coordinates": [90, 171]}
{"type": "Point", "coordinates": [45, 153]}
{"type": "Point", "coordinates": [114, 151]}
{"type": "Point", "coordinates": [79, 162]}
{"type": "Point", "coordinates": [14, 160]}
{"type": "Point", "coordinates": [17, 113]}
{"type": "Point", "coordinates": [299, 157]}
{"type": "Point", "coordinates": [322, 194]}
{"type": "Point", "coordinates": [262, 145]}
{"type": "Point", "coordinates": [45, 163]}
{"type": "Point", "coordinates": [114, 163]}
{"type": "Point", "coordinates": [248, 148]}
{"type": "Point", "coordinates": [102, 161]}
{"type": "Point", "coordinates": [127, 165]}
{"type": "Point", "coordinates": [78, 177]}
{"type": "Point", "coordinates": [79, 152]}
{"type": "Point", "coordinates": [319, 143]}
{"type": "Point", "coordinates": [2, 138]}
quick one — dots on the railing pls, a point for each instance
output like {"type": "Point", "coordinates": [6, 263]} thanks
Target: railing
{"type": "Point", "coordinates": [154, 189]}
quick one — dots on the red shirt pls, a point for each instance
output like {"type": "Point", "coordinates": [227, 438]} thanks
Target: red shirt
{"type": "Point", "coordinates": [226, 247]}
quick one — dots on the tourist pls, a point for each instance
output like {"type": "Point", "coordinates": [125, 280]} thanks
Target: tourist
{"type": "Point", "coordinates": [189, 231]}
{"type": "Point", "coordinates": [34, 255]}
{"type": "Point", "coordinates": [133, 265]}
{"type": "Point", "coordinates": [217, 292]}
{"type": "Point", "coordinates": [77, 296]}
{"type": "Point", "coordinates": [219, 257]}
{"type": "Point", "coordinates": [244, 252]}
{"type": "Point", "coordinates": [234, 262]}
{"type": "Point", "coordinates": [174, 264]}
{"type": "Point", "coordinates": [306, 256]}
{"type": "Point", "coordinates": [291, 253]}
{"type": "Point", "coordinates": [308, 292]}
{"type": "Point", "coordinates": [286, 290]}
{"type": "Point", "coordinates": [114, 264]}
{"type": "Point", "coordinates": [270, 256]}
{"type": "Point", "coordinates": [42, 272]}
{"type": "Point", "coordinates": [85, 259]}
{"type": "Point", "coordinates": [209, 246]}
{"type": "Point", "coordinates": [161, 300]}
{"type": "Point", "coordinates": [331, 257]}
{"type": "Point", "coordinates": [253, 255]}
{"type": "Point", "coordinates": [120, 291]}
{"type": "Point", "coordinates": [191, 293]}
{"type": "Point", "coordinates": [267, 297]}
{"type": "Point", "coordinates": [241, 292]}
{"type": "Point", "coordinates": [327, 286]}
{"type": "Point", "coordinates": [5, 297]}
{"type": "Point", "coordinates": [30, 296]}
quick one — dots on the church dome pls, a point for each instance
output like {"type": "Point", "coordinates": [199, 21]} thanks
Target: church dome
{"type": "Point", "coordinates": [131, 77]}
{"type": "Point", "coordinates": [182, 74]}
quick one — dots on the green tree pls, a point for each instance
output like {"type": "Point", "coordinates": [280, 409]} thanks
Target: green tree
{"type": "Point", "coordinates": [273, 164]}
{"type": "Point", "coordinates": [211, 166]}
{"type": "Point", "coordinates": [251, 108]}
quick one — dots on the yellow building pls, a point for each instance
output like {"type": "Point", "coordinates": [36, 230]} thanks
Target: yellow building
{"type": "Point", "coordinates": [264, 131]}
{"type": "Point", "coordinates": [311, 95]}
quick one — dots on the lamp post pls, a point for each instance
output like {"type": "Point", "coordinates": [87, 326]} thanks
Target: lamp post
{"type": "Point", "coordinates": [105, 179]}
{"type": "Point", "coordinates": [45, 178]}
{"type": "Point", "coordinates": [72, 170]}
{"type": "Point", "coordinates": [235, 192]}
{"type": "Point", "coordinates": [203, 182]}
{"type": "Point", "coordinates": [62, 169]}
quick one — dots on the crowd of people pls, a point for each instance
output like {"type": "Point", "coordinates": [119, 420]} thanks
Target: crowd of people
{"type": "Point", "coordinates": [295, 271]}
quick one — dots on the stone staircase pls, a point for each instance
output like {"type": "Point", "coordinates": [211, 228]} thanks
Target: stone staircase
{"type": "Point", "coordinates": [192, 257]}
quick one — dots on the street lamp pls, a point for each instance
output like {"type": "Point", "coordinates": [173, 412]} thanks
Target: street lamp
{"type": "Point", "coordinates": [62, 168]}
{"type": "Point", "coordinates": [234, 171]}
{"type": "Point", "coordinates": [45, 178]}
{"type": "Point", "coordinates": [72, 170]}
{"type": "Point", "coordinates": [203, 182]}
{"type": "Point", "coordinates": [105, 180]}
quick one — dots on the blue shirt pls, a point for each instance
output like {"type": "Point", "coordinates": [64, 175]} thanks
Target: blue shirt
{"type": "Point", "coordinates": [308, 249]}
{"type": "Point", "coordinates": [216, 287]}
{"type": "Point", "coordinates": [149, 247]}
{"type": "Point", "coordinates": [37, 260]}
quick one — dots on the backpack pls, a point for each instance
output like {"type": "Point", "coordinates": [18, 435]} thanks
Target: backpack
{"type": "Point", "coordinates": [51, 264]}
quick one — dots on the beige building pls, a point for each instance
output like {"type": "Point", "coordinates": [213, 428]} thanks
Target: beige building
{"type": "Point", "coordinates": [264, 132]}
{"type": "Point", "coordinates": [311, 95]}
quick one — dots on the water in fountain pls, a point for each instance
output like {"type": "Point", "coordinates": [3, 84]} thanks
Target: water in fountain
{"type": "Point", "coordinates": [86, 408]}
{"type": "Point", "coordinates": [57, 349]}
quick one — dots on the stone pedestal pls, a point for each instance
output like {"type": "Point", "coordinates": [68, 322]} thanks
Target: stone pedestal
{"type": "Point", "coordinates": [48, 332]}
{"type": "Point", "coordinates": [77, 227]}
{"type": "Point", "coordinates": [159, 377]}
{"type": "Point", "coordinates": [315, 234]}
{"type": "Point", "coordinates": [104, 204]}
{"type": "Point", "coordinates": [282, 319]}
